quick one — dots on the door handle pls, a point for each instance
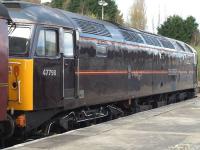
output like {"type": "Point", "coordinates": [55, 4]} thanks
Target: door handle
{"type": "Point", "coordinates": [66, 65]}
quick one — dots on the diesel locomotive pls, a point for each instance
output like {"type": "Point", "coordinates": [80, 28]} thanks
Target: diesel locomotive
{"type": "Point", "coordinates": [65, 69]}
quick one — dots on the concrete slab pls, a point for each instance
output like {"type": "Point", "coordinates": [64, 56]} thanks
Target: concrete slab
{"type": "Point", "coordinates": [172, 127]}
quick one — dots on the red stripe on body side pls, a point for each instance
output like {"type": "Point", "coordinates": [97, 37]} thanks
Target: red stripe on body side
{"type": "Point", "coordinates": [118, 72]}
{"type": "Point", "coordinates": [123, 72]}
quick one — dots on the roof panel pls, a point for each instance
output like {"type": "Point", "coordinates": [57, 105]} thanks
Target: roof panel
{"type": "Point", "coordinates": [33, 13]}
{"type": "Point", "coordinates": [92, 27]}
{"type": "Point", "coordinates": [131, 36]}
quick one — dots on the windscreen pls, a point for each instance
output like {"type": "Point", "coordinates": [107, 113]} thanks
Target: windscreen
{"type": "Point", "coordinates": [19, 41]}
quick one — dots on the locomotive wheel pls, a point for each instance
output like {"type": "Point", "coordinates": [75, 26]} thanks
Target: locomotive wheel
{"type": "Point", "coordinates": [9, 127]}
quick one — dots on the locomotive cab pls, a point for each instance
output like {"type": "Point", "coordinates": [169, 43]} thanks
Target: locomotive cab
{"type": "Point", "coordinates": [42, 66]}
{"type": "Point", "coordinates": [51, 61]}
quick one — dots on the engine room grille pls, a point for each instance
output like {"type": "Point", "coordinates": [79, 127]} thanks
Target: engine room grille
{"type": "Point", "coordinates": [151, 40]}
{"type": "Point", "coordinates": [131, 36]}
{"type": "Point", "coordinates": [92, 27]}
{"type": "Point", "coordinates": [166, 43]}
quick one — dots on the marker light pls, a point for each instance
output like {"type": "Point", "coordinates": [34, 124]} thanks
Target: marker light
{"type": "Point", "coordinates": [16, 71]}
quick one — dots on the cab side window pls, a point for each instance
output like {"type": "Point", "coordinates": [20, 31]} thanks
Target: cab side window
{"type": "Point", "coordinates": [68, 45]}
{"type": "Point", "coordinates": [47, 43]}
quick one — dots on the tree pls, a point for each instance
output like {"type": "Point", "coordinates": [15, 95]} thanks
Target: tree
{"type": "Point", "coordinates": [61, 4]}
{"type": "Point", "coordinates": [138, 18]}
{"type": "Point", "coordinates": [178, 28]}
{"type": "Point", "coordinates": [119, 18]}
{"type": "Point", "coordinates": [196, 38]}
{"type": "Point", "coordinates": [190, 27]}
{"type": "Point", "coordinates": [91, 8]}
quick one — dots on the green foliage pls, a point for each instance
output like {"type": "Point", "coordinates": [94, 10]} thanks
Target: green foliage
{"type": "Point", "coordinates": [57, 3]}
{"type": "Point", "coordinates": [90, 8]}
{"type": "Point", "coordinates": [178, 28]}
{"type": "Point", "coordinates": [190, 27]}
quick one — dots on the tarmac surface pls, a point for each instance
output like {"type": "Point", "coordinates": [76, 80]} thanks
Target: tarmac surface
{"type": "Point", "coordinates": [172, 127]}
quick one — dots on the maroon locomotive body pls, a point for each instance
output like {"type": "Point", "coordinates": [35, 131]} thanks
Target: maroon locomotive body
{"type": "Point", "coordinates": [4, 20]}
{"type": "Point", "coordinates": [3, 68]}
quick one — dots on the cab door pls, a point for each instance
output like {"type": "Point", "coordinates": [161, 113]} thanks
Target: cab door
{"type": "Point", "coordinates": [47, 69]}
{"type": "Point", "coordinates": [68, 65]}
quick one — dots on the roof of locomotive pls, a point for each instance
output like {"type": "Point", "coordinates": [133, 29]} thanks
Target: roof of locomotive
{"type": "Point", "coordinates": [4, 12]}
{"type": "Point", "coordinates": [39, 14]}
{"type": "Point", "coordinates": [25, 12]}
